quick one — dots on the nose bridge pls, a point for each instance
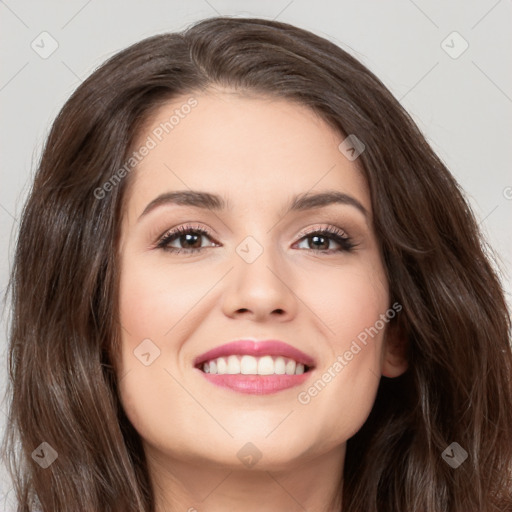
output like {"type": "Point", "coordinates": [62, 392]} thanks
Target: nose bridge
{"type": "Point", "coordinates": [259, 260]}
{"type": "Point", "coordinates": [259, 281]}
{"type": "Point", "coordinates": [258, 243]}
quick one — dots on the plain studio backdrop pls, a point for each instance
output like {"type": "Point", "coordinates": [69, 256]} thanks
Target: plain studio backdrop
{"type": "Point", "coordinates": [446, 62]}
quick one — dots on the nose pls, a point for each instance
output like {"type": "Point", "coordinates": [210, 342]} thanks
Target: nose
{"type": "Point", "coordinates": [260, 290]}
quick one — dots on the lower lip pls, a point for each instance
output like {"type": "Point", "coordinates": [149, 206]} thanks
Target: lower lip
{"type": "Point", "coordinates": [256, 384]}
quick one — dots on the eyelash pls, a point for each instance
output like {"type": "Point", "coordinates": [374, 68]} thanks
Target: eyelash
{"type": "Point", "coordinates": [332, 233]}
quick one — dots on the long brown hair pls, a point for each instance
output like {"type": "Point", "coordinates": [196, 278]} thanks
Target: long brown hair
{"type": "Point", "coordinates": [64, 335]}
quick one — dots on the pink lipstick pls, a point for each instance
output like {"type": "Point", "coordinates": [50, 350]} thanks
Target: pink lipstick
{"type": "Point", "coordinates": [255, 367]}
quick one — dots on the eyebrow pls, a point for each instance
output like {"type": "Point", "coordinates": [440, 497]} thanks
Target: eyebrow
{"type": "Point", "coordinates": [213, 202]}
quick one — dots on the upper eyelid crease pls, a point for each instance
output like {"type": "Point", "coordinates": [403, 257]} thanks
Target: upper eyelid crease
{"type": "Point", "coordinates": [213, 202]}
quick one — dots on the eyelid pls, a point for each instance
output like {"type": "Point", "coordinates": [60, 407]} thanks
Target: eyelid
{"type": "Point", "coordinates": [318, 227]}
{"type": "Point", "coordinates": [188, 226]}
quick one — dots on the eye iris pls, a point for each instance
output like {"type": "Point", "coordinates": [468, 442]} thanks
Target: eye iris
{"type": "Point", "coordinates": [188, 237]}
{"type": "Point", "coordinates": [321, 237]}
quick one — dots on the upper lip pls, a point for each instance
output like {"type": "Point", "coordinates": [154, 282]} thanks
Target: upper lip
{"type": "Point", "coordinates": [257, 349]}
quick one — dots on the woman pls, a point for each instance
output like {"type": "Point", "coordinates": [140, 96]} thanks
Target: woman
{"type": "Point", "coordinates": [244, 280]}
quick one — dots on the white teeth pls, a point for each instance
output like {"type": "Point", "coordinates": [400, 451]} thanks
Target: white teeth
{"type": "Point", "coordinates": [280, 365]}
{"type": "Point", "coordinates": [250, 365]}
{"type": "Point", "coordinates": [233, 365]}
{"type": "Point", "coordinates": [222, 366]}
{"type": "Point", "coordinates": [290, 367]}
{"type": "Point", "coordinates": [265, 366]}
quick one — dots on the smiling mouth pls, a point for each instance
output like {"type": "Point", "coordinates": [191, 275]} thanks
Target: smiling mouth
{"type": "Point", "coordinates": [265, 365]}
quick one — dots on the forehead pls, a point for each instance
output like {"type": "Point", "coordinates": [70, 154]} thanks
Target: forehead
{"type": "Point", "coordinates": [251, 150]}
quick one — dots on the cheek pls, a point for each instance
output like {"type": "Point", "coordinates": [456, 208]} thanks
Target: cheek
{"type": "Point", "coordinates": [153, 300]}
{"type": "Point", "coordinates": [346, 300]}
{"type": "Point", "coordinates": [348, 304]}
{"type": "Point", "coordinates": [356, 308]}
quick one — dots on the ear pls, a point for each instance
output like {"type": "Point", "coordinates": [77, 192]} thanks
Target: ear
{"type": "Point", "coordinates": [394, 352]}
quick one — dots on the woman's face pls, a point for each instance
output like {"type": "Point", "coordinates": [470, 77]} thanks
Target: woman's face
{"type": "Point", "coordinates": [260, 273]}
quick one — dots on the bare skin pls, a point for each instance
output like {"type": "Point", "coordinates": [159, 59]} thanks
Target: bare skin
{"type": "Point", "coordinates": [257, 153]}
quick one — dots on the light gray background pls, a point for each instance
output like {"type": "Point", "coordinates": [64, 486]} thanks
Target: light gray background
{"type": "Point", "coordinates": [463, 105]}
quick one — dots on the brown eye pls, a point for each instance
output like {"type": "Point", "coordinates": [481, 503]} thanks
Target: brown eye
{"type": "Point", "coordinates": [190, 239]}
{"type": "Point", "coordinates": [319, 240]}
